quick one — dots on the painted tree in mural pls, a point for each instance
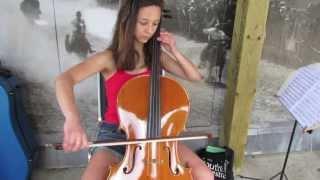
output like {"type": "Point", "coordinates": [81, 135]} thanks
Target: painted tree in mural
{"type": "Point", "coordinates": [108, 2]}
{"type": "Point", "coordinates": [31, 9]}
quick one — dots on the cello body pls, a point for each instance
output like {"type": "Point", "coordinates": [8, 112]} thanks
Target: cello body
{"type": "Point", "coordinates": [151, 160]}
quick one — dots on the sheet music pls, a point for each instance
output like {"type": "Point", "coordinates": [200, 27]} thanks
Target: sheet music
{"type": "Point", "coordinates": [300, 94]}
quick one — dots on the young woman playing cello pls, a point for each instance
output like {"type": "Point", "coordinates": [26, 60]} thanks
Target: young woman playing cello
{"type": "Point", "coordinates": [126, 57]}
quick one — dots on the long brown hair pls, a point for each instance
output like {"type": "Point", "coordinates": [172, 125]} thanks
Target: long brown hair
{"type": "Point", "coordinates": [122, 45]}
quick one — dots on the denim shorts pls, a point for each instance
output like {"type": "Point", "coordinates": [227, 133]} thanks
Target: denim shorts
{"type": "Point", "coordinates": [110, 132]}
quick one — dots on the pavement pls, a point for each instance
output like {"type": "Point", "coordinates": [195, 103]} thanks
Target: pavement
{"type": "Point", "coordinates": [300, 166]}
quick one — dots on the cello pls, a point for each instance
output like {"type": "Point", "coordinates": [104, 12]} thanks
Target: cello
{"type": "Point", "coordinates": [160, 109]}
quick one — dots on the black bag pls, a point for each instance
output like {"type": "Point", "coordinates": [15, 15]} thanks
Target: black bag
{"type": "Point", "coordinates": [3, 71]}
{"type": "Point", "coordinates": [219, 160]}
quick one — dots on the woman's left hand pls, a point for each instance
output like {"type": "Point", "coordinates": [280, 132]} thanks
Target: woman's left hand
{"type": "Point", "coordinates": [167, 41]}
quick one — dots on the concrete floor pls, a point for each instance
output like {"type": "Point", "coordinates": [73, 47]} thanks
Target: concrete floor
{"type": "Point", "coordinates": [301, 166]}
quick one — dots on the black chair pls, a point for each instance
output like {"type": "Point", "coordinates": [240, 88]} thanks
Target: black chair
{"type": "Point", "coordinates": [102, 103]}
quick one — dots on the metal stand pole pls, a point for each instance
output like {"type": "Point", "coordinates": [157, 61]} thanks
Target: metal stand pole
{"type": "Point", "coordinates": [246, 177]}
{"type": "Point", "coordinates": [282, 172]}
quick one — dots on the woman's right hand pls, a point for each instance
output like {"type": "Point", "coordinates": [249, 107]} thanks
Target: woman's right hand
{"type": "Point", "coordinates": [74, 137]}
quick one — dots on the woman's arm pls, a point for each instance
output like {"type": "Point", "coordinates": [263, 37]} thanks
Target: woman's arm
{"type": "Point", "coordinates": [174, 61]}
{"type": "Point", "coordinates": [74, 135]}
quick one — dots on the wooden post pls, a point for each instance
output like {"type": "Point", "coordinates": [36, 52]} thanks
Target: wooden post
{"type": "Point", "coordinates": [247, 43]}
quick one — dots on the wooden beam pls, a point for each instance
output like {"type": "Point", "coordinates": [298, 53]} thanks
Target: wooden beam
{"type": "Point", "coordinates": [247, 43]}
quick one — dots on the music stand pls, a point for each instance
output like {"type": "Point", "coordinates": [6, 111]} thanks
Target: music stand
{"type": "Point", "coordinates": [300, 94]}
{"type": "Point", "coordinates": [282, 172]}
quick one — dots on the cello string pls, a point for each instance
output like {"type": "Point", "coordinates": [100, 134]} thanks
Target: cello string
{"type": "Point", "coordinates": [155, 90]}
{"type": "Point", "coordinates": [152, 94]}
{"type": "Point", "coordinates": [153, 85]}
{"type": "Point", "coordinates": [157, 85]}
{"type": "Point", "coordinates": [154, 121]}
{"type": "Point", "coordinates": [158, 88]}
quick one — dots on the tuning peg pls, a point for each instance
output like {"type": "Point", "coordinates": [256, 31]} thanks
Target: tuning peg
{"type": "Point", "coordinates": [167, 13]}
{"type": "Point", "coordinates": [167, 16]}
{"type": "Point", "coordinates": [166, 10]}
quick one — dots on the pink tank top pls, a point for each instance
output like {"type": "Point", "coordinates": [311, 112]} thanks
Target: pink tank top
{"type": "Point", "coordinates": [112, 86]}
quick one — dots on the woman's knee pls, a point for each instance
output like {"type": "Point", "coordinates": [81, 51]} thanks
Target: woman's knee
{"type": "Point", "coordinates": [198, 167]}
{"type": "Point", "coordinates": [98, 166]}
{"type": "Point", "coordinates": [201, 171]}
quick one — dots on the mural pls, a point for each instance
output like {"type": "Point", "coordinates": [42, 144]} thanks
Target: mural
{"type": "Point", "coordinates": [293, 29]}
{"type": "Point", "coordinates": [291, 42]}
{"type": "Point", "coordinates": [209, 22]}
{"type": "Point", "coordinates": [41, 39]}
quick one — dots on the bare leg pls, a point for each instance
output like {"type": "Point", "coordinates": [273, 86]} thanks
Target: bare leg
{"type": "Point", "coordinates": [98, 166]}
{"type": "Point", "coordinates": [199, 169]}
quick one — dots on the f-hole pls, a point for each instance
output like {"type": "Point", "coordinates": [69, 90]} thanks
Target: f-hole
{"type": "Point", "coordinates": [176, 170]}
{"type": "Point", "coordinates": [126, 170]}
